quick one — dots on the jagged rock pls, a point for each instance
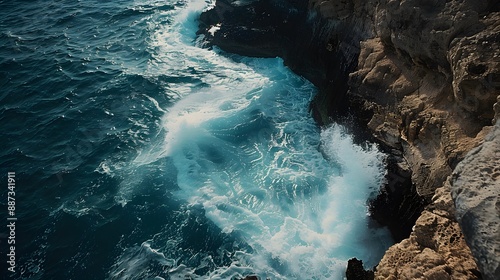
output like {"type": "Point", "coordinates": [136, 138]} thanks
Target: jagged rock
{"type": "Point", "coordinates": [415, 96]}
{"type": "Point", "coordinates": [476, 190]}
{"type": "Point", "coordinates": [356, 271]}
{"type": "Point", "coordinates": [475, 62]}
{"type": "Point", "coordinates": [436, 248]}
{"type": "Point", "coordinates": [422, 30]}
{"type": "Point", "coordinates": [432, 121]}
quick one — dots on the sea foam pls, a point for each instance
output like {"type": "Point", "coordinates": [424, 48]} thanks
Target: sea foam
{"type": "Point", "coordinates": [254, 159]}
{"type": "Point", "coordinates": [248, 152]}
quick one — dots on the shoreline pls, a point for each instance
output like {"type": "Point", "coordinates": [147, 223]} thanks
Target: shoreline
{"type": "Point", "coordinates": [421, 80]}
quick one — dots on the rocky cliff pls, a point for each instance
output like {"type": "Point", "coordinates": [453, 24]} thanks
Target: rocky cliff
{"type": "Point", "coordinates": [419, 77]}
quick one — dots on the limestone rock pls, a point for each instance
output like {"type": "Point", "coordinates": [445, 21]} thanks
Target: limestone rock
{"type": "Point", "coordinates": [475, 62]}
{"type": "Point", "coordinates": [436, 248]}
{"type": "Point", "coordinates": [421, 31]}
{"type": "Point", "coordinates": [476, 191]}
{"type": "Point", "coordinates": [429, 80]}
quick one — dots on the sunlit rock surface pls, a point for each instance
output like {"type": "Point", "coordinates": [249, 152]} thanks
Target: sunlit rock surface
{"type": "Point", "coordinates": [476, 190]}
{"type": "Point", "coordinates": [436, 248]}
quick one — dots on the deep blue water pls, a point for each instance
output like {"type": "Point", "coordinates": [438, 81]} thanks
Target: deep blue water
{"type": "Point", "coordinates": [139, 154]}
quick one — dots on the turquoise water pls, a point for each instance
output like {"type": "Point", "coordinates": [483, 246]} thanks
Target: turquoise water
{"type": "Point", "coordinates": [138, 154]}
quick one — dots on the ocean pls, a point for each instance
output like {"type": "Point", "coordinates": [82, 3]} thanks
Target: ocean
{"type": "Point", "coordinates": [138, 154]}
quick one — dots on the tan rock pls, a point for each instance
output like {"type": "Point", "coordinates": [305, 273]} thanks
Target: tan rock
{"type": "Point", "coordinates": [436, 248]}
{"type": "Point", "coordinates": [475, 63]}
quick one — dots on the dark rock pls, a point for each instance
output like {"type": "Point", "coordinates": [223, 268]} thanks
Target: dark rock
{"type": "Point", "coordinates": [398, 205]}
{"type": "Point", "coordinates": [356, 271]}
{"type": "Point", "coordinates": [252, 28]}
{"type": "Point", "coordinates": [251, 277]}
{"type": "Point", "coordinates": [322, 51]}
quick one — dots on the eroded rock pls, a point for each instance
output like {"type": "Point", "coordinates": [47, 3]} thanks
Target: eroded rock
{"type": "Point", "coordinates": [475, 62]}
{"type": "Point", "coordinates": [436, 248]}
{"type": "Point", "coordinates": [422, 107]}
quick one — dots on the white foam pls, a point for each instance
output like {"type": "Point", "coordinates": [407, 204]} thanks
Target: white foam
{"type": "Point", "coordinates": [133, 261]}
{"type": "Point", "coordinates": [275, 188]}
{"type": "Point", "coordinates": [214, 29]}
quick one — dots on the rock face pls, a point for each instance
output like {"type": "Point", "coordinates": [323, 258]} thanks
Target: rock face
{"type": "Point", "coordinates": [436, 248]}
{"type": "Point", "coordinates": [430, 78]}
{"type": "Point", "coordinates": [476, 191]}
{"type": "Point", "coordinates": [421, 78]}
